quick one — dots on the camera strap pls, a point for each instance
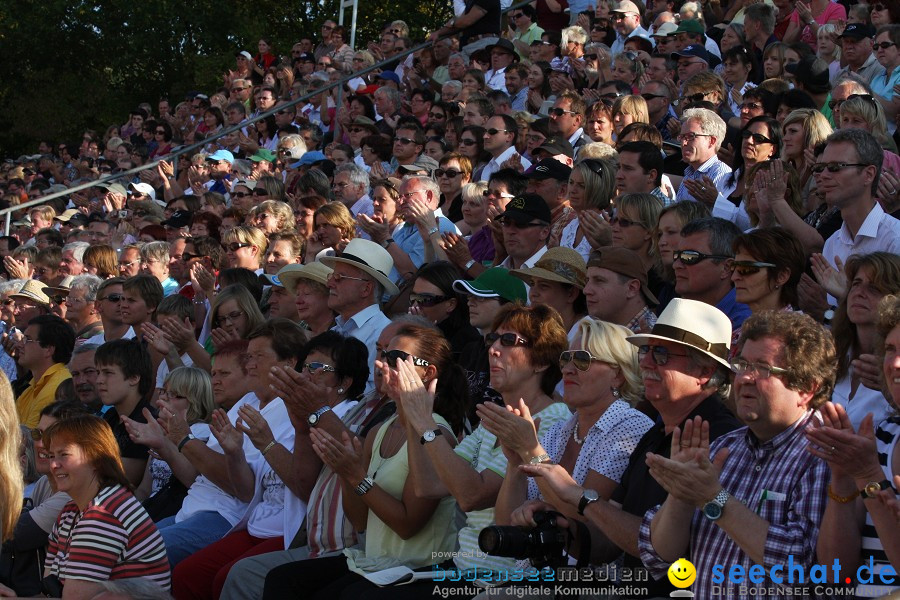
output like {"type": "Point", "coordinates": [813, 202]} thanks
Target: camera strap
{"type": "Point", "coordinates": [584, 545]}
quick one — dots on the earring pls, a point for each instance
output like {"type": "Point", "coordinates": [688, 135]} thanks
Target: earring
{"type": "Point", "coordinates": [777, 286]}
{"type": "Point", "coordinates": [340, 390]}
{"type": "Point", "coordinates": [615, 393]}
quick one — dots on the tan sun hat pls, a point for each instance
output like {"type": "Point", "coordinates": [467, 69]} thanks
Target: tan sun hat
{"type": "Point", "coordinates": [560, 264]}
{"type": "Point", "coordinates": [32, 290]}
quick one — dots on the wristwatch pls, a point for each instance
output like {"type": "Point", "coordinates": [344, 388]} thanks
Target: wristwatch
{"type": "Point", "coordinates": [387, 243]}
{"type": "Point", "coordinates": [469, 264]}
{"type": "Point", "coordinates": [713, 509]}
{"type": "Point", "coordinates": [540, 458]}
{"type": "Point", "coordinates": [587, 497]}
{"type": "Point", "coordinates": [364, 486]}
{"type": "Point", "coordinates": [871, 489]}
{"type": "Point", "coordinates": [185, 440]}
{"type": "Point", "coordinates": [313, 418]}
{"type": "Point", "coordinates": [430, 435]}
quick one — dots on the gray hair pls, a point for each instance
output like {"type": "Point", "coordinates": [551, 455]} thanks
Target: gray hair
{"type": "Point", "coordinates": [428, 185]}
{"type": "Point", "coordinates": [710, 123]}
{"type": "Point", "coordinates": [390, 94]}
{"type": "Point", "coordinates": [294, 144]}
{"type": "Point", "coordinates": [135, 588]}
{"type": "Point", "coordinates": [575, 33]}
{"type": "Point", "coordinates": [720, 380]}
{"type": "Point", "coordinates": [356, 174]}
{"type": "Point", "coordinates": [762, 14]}
{"type": "Point", "coordinates": [155, 250]}
{"type": "Point", "coordinates": [461, 56]}
{"type": "Point", "coordinates": [77, 249]}
{"type": "Point", "coordinates": [859, 85]}
{"type": "Point", "coordinates": [721, 232]}
{"type": "Point", "coordinates": [83, 349]}
{"type": "Point", "coordinates": [868, 150]}
{"type": "Point", "coordinates": [89, 283]}
{"type": "Point", "coordinates": [10, 287]}
{"type": "Point", "coordinates": [454, 84]}
{"type": "Point", "coordinates": [242, 166]}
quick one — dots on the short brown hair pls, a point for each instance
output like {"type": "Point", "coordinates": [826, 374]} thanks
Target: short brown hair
{"type": "Point", "coordinates": [543, 328]}
{"type": "Point", "coordinates": [95, 438]}
{"type": "Point", "coordinates": [809, 353]}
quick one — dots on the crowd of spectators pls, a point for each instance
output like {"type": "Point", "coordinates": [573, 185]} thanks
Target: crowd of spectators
{"type": "Point", "coordinates": [631, 266]}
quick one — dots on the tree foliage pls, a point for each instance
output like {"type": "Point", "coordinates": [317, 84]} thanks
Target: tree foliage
{"type": "Point", "coordinates": [75, 64]}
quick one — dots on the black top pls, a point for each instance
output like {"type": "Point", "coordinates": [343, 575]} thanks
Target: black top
{"type": "Point", "coordinates": [129, 448]}
{"type": "Point", "coordinates": [638, 491]}
{"type": "Point", "coordinates": [489, 23]}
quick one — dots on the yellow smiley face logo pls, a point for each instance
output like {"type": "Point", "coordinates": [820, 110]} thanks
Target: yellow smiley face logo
{"type": "Point", "coordinates": [682, 573]}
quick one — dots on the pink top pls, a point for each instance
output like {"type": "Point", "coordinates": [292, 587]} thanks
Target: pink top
{"type": "Point", "coordinates": [832, 12]}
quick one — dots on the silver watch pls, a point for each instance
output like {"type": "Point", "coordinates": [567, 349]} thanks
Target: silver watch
{"type": "Point", "coordinates": [313, 418]}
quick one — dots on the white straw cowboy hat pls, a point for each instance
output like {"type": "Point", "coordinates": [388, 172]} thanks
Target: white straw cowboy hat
{"type": "Point", "coordinates": [694, 324]}
{"type": "Point", "coordinates": [368, 257]}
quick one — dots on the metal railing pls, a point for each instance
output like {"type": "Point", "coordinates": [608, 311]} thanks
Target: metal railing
{"type": "Point", "coordinates": [125, 175]}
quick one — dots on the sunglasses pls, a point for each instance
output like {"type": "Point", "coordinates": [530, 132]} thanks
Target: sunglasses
{"type": "Point", "coordinates": [356, 130]}
{"type": "Point", "coordinates": [467, 142]}
{"type": "Point", "coordinates": [659, 354]}
{"type": "Point", "coordinates": [883, 45]}
{"type": "Point", "coordinates": [749, 267]}
{"type": "Point", "coordinates": [392, 356]}
{"type": "Point", "coordinates": [591, 56]}
{"type": "Point", "coordinates": [649, 97]}
{"type": "Point", "coordinates": [427, 299]}
{"type": "Point", "coordinates": [312, 367]}
{"type": "Point", "coordinates": [692, 257]}
{"type": "Point", "coordinates": [758, 138]}
{"type": "Point", "coordinates": [187, 256]}
{"type": "Point", "coordinates": [507, 339]}
{"type": "Point", "coordinates": [558, 112]}
{"type": "Point", "coordinates": [260, 192]}
{"type": "Point", "coordinates": [114, 297]}
{"type": "Point", "coordinates": [36, 434]}
{"type": "Point", "coordinates": [437, 116]}
{"type": "Point", "coordinates": [837, 103]}
{"type": "Point", "coordinates": [235, 246]}
{"type": "Point", "coordinates": [751, 106]}
{"type": "Point", "coordinates": [404, 140]}
{"type": "Point", "coordinates": [623, 222]}
{"type": "Point", "coordinates": [241, 194]}
{"type": "Point", "coordinates": [450, 173]}
{"type": "Point", "coordinates": [493, 131]}
{"type": "Point", "coordinates": [879, 7]}
{"type": "Point", "coordinates": [834, 167]}
{"type": "Point", "coordinates": [582, 359]}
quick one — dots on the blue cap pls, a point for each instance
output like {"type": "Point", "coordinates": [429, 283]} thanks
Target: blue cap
{"type": "Point", "coordinates": [309, 158]}
{"type": "Point", "coordinates": [390, 76]}
{"type": "Point", "coordinates": [221, 155]}
{"type": "Point", "coordinates": [693, 51]}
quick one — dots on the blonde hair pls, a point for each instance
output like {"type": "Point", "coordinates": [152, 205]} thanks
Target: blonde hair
{"type": "Point", "coordinates": [826, 30]}
{"type": "Point", "coordinates": [46, 212]}
{"type": "Point", "coordinates": [635, 106]}
{"type": "Point", "coordinates": [338, 215]}
{"type": "Point", "coordinates": [281, 210]}
{"type": "Point", "coordinates": [474, 191]}
{"type": "Point", "coordinates": [11, 483]}
{"type": "Point", "coordinates": [195, 385]}
{"type": "Point", "coordinates": [607, 342]}
{"type": "Point", "coordinates": [867, 108]}
{"type": "Point", "coordinates": [246, 234]}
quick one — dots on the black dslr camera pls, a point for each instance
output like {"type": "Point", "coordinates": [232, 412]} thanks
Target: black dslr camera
{"type": "Point", "coordinates": [542, 544]}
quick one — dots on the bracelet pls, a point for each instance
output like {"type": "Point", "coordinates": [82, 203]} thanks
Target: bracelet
{"type": "Point", "coordinates": [469, 264]}
{"type": "Point", "coordinates": [364, 486]}
{"type": "Point", "coordinates": [433, 231]}
{"type": "Point", "coordinates": [540, 458]}
{"type": "Point", "coordinates": [269, 447]}
{"type": "Point", "coordinates": [185, 440]}
{"type": "Point", "coordinates": [842, 499]}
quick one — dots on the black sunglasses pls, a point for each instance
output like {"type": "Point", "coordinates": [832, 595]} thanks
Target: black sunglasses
{"type": "Point", "coordinates": [450, 173]}
{"type": "Point", "coordinates": [427, 299]}
{"type": "Point", "coordinates": [235, 246]}
{"type": "Point", "coordinates": [692, 257]}
{"type": "Point", "coordinates": [749, 267]}
{"type": "Point", "coordinates": [660, 354]}
{"type": "Point", "coordinates": [507, 339]}
{"type": "Point", "coordinates": [114, 297]}
{"type": "Point", "coordinates": [758, 138]}
{"type": "Point", "coordinates": [392, 356]}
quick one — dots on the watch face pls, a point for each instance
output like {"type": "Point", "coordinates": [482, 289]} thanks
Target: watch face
{"type": "Point", "coordinates": [312, 419]}
{"type": "Point", "coordinates": [872, 489]}
{"type": "Point", "coordinates": [591, 495]}
{"type": "Point", "coordinates": [428, 436]}
{"type": "Point", "coordinates": [712, 511]}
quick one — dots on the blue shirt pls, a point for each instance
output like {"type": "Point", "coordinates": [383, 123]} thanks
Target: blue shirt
{"type": "Point", "coordinates": [714, 168]}
{"type": "Point", "coordinates": [366, 326]}
{"type": "Point", "coordinates": [736, 311]}
{"type": "Point", "coordinates": [409, 240]}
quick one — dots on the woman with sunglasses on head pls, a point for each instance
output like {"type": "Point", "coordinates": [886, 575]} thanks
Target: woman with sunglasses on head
{"type": "Point", "coordinates": [34, 525]}
{"type": "Point", "coordinates": [403, 527]}
{"type": "Point", "coordinates": [434, 298]}
{"type": "Point", "coordinates": [602, 384]}
{"type": "Point", "coordinates": [592, 185]}
{"type": "Point", "coordinates": [524, 350]}
{"type": "Point", "coordinates": [337, 365]}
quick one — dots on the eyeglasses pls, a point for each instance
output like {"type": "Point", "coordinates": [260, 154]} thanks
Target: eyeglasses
{"type": "Point", "coordinates": [493, 131]}
{"type": "Point", "coordinates": [649, 97]}
{"type": "Point", "coordinates": [507, 222]}
{"type": "Point", "coordinates": [187, 256]}
{"type": "Point", "coordinates": [231, 317]}
{"type": "Point", "coordinates": [163, 393]}
{"type": "Point", "coordinates": [235, 246]}
{"type": "Point", "coordinates": [467, 142]}
{"type": "Point", "coordinates": [623, 222]}
{"type": "Point", "coordinates": [756, 370]}
{"type": "Point", "coordinates": [879, 7]}
{"type": "Point", "coordinates": [691, 136]}
{"type": "Point", "coordinates": [838, 103]}
{"type": "Point", "coordinates": [758, 138]}
{"type": "Point", "coordinates": [558, 112]}
{"type": "Point", "coordinates": [450, 173]}
{"type": "Point", "coordinates": [58, 298]}
{"type": "Point", "coordinates": [128, 264]}
{"type": "Point", "coordinates": [36, 434]}
{"type": "Point", "coordinates": [496, 194]}
{"type": "Point", "coordinates": [515, 16]}
{"type": "Point", "coordinates": [338, 277]}
{"type": "Point", "coordinates": [356, 130]}
{"type": "Point", "coordinates": [507, 339]}
{"type": "Point", "coordinates": [659, 354]}
{"type": "Point", "coordinates": [692, 257]}
{"type": "Point", "coordinates": [834, 167]}
{"type": "Point", "coordinates": [241, 194]}
{"type": "Point", "coordinates": [582, 359]}
{"type": "Point", "coordinates": [312, 367]}
{"type": "Point", "coordinates": [392, 356]}
{"type": "Point", "coordinates": [260, 192]}
{"type": "Point", "coordinates": [427, 299]}
{"type": "Point", "coordinates": [883, 45]}
{"type": "Point", "coordinates": [437, 116]}
{"type": "Point", "coordinates": [751, 106]}
{"type": "Point", "coordinates": [114, 297]}
{"type": "Point", "coordinates": [591, 56]}
{"type": "Point", "coordinates": [404, 140]}
{"type": "Point", "coordinates": [749, 267]}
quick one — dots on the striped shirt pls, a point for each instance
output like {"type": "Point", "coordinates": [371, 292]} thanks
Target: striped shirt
{"type": "Point", "coordinates": [113, 538]}
{"type": "Point", "coordinates": [887, 436]}
{"type": "Point", "coordinates": [778, 480]}
{"type": "Point", "coordinates": [714, 168]}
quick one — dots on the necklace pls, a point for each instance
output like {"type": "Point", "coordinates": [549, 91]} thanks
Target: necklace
{"type": "Point", "coordinates": [575, 437]}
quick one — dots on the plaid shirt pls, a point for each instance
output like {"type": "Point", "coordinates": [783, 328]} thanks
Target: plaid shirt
{"type": "Point", "coordinates": [778, 480]}
{"type": "Point", "coordinates": [643, 321]}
